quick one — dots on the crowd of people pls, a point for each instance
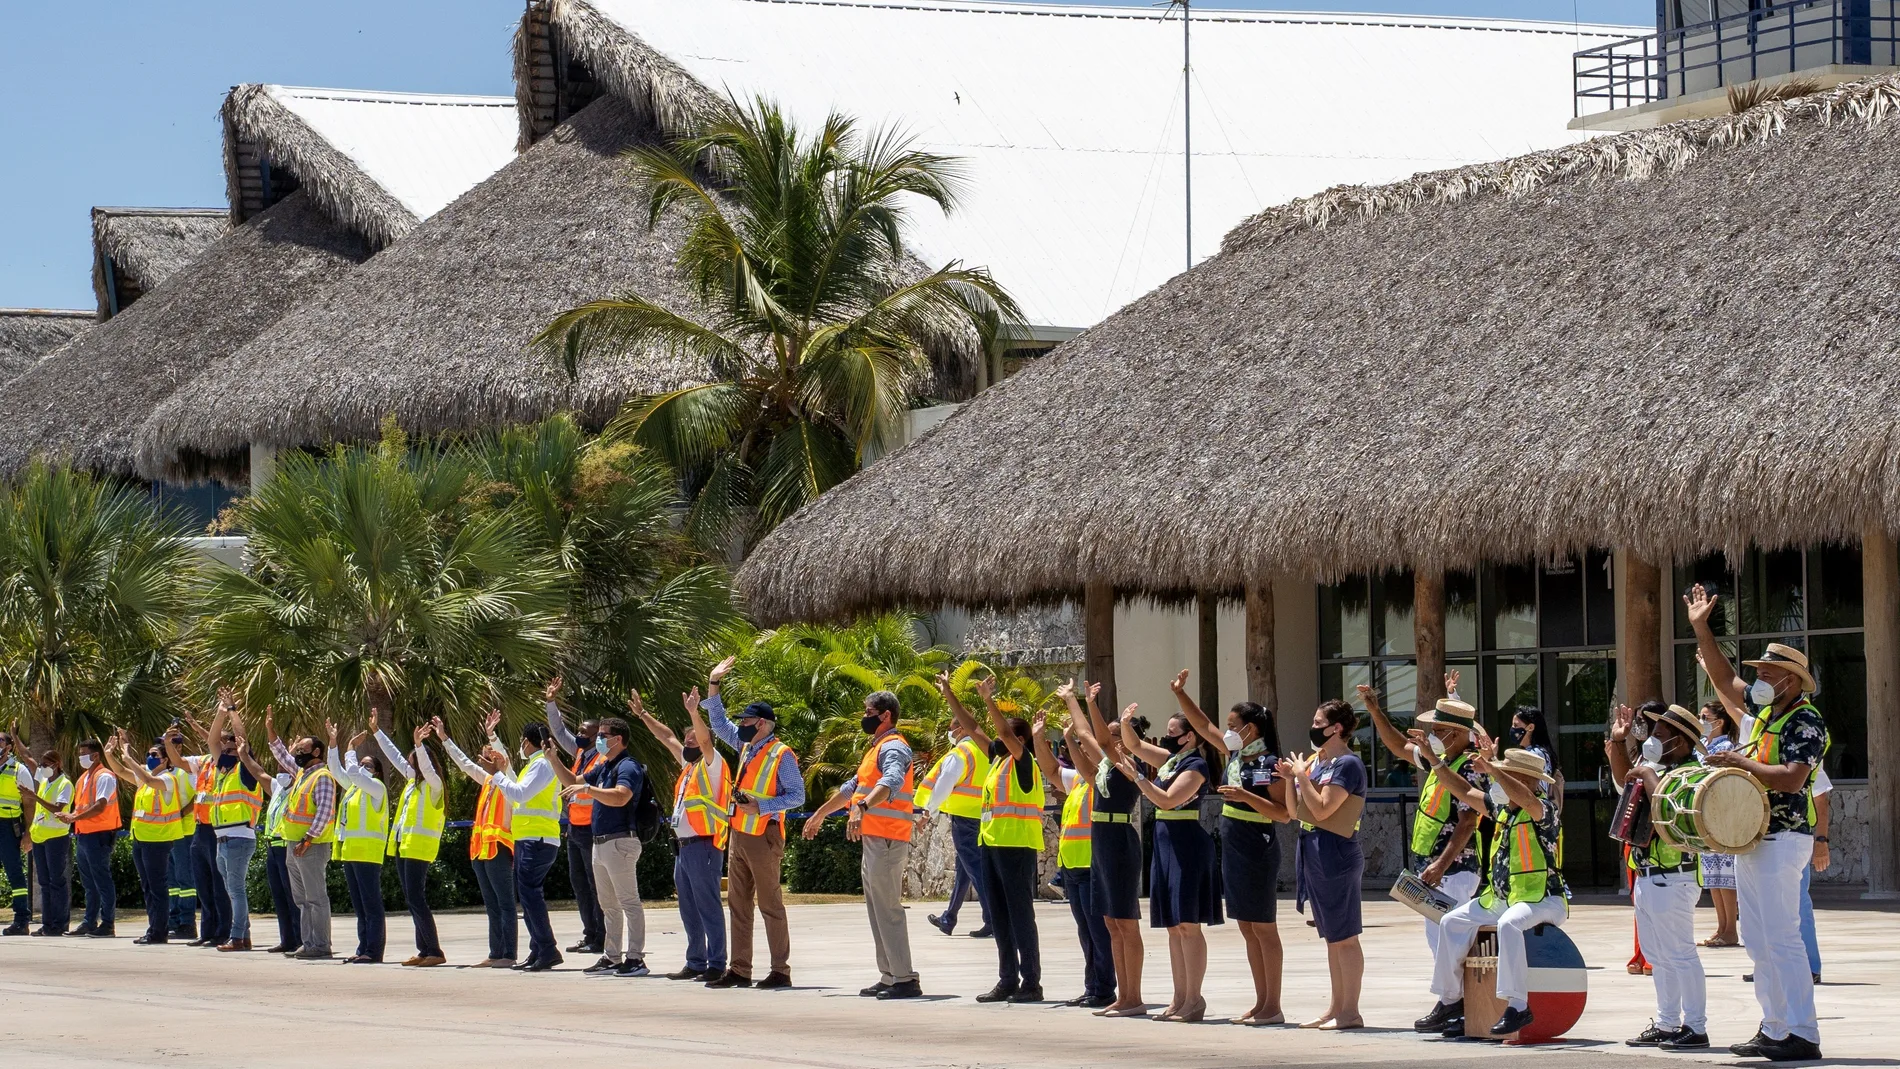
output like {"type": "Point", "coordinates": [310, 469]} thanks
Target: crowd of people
{"type": "Point", "coordinates": [196, 821]}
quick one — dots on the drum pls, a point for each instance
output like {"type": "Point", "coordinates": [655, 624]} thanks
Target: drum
{"type": "Point", "coordinates": [1631, 824]}
{"type": "Point", "coordinates": [1703, 810]}
{"type": "Point", "coordinates": [1559, 985]}
{"type": "Point", "coordinates": [1421, 898]}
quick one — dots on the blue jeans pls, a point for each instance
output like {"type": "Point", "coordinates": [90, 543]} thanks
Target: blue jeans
{"type": "Point", "coordinates": [365, 879]}
{"type": "Point", "coordinates": [277, 874]}
{"type": "Point", "coordinates": [533, 861]}
{"type": "Point", "coordinates": [14, 840]}
{"type": "Point", "coordinates": [180, 889]}
{"type": "Point", "coordinates": [153, 862]}
{"type": "Point", "coordinates": [52, 860]}
{"type": "Point", "coordinates": [214, 902]}
{"type": "Point", "coordinates": [1807, 922]}
{"type": "Point", "coordinates": [963, 835]}
{"type": "Point", "coordinates": [234, 863]}
{"type": "Point", "coordinates": [696, 881]}
{"type": "Point", "coordinates": [94, 849]}
{"type": "Point", "coordinates": [496, 879]}
{"type": "Point", "coordinates": [1098, 962]}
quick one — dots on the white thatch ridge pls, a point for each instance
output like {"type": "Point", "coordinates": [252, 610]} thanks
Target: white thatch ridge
{"type": "Point", "coordinates": [335, 182]}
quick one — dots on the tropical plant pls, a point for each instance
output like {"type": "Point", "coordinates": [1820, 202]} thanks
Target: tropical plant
{"type": "Point", "coordinates": [95, 588]}
{"type": "Point", "coordinates": [378, 577]}
{"type": "Point", "coordinates": [814, 320]}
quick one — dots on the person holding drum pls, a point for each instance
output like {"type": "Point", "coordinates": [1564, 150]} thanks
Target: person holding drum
{"type": "Point", "coordinates": [1523, 890]}
{"type": "Point", "coordinates": [1717, 871]}
{"type": "Point", "coordinates": [1663, 881]}
{"type": "Point", "coordinates": [1783, 751]}
{"type": "Point", "coordinates": [1444, 829]}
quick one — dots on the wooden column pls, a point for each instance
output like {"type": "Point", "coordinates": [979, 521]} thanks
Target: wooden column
{"type": "Point", "coordinates": [1880, 600]}
{"type": "Point", "coordinates": [1639, 632]}
{"type": "Point", "coordinates": [1428, 634]}
{"type": "Point", "coordinates": [1262, 685]}
{"type": "Point", "coordinates": [1098, 634]}
{"type": "Point", "coordinates": [1207, 607]}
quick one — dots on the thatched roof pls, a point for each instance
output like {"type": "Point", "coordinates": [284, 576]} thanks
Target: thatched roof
{"type": "Point", "coordinates": [27, 334]}
{"type": "Point", "coordinates": [435, 329]}
{"type": "Point", "coordinates": [1677, 340]}
{"type": "Point", "coordinates": [134, 249]}
{"type": "Point", "coordinates": [84, 401]}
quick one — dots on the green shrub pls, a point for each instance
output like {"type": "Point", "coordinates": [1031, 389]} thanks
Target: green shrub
{"type": "Point", "coordinates": [829, 864]}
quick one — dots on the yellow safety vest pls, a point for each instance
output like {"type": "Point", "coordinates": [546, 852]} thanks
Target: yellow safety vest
{"type": "Point", "coordinates": [364, 829]}
{"type": "Point", "coordinates": [966, 797]}
{"type": "Point", "coordinates": [301, 813]}
{"type": "Point", "coordinates": [1764, 745]}
{"type": "Point", "coordinates": [232, 803]}
{"type": "Point", "coordinates": [1078, 827]}
{"type": "Point", "coordinates": [1436, 808]}
{"type": "Point", "coordinates": [1011, 817]}
{"type": "Point", "coordinates": [417, 833]}
{"type": "Point", "coordinates": [46, 825]}
{"type": "Point", "coordinates": [187, 798]}
{"type": "Point", "coordinates": [540, 816]}
{"type": "Point", "coordinates": [274, 815]}
{"type": "Point", "coordinates": [10, 808]}
{"type": "Point", "coordinates": [158, 816]}
{"type": "Point", "coordinates": [1529, 877]}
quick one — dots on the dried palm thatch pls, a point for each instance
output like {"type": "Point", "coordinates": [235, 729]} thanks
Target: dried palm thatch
{"type": "Point", "coordinates": [663, 94]}
{"type": "Point", "coordinates": [435, 329]}
{"type": "Point", "coordinates": [84, 402]}
{"type": "Point", "coordinates": [1753, 94]}
{"type": "Point", "coordinates": [27, 334]}
{"type": "Point", "coordinates": [142, 247]}
{"type": "Point", "coordinates": [253, 116]}
{"type": "Point", "coordinates": [1677, 340]}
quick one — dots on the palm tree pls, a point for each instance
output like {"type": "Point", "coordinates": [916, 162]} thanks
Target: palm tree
{"type": "Point", "coordinates": [378, 578]}
{"type": "Point", "coordinates": [95, 589]}
{"type": "Point", "coordinates": [814, 320]}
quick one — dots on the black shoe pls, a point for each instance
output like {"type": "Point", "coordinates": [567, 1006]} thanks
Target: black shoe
{"type": "Point", "coordinates": [1078, 1001]}
{"type": "Point", "coordinates": [185, 931]}
{"type": "Point", "coordinates": [1749, 1048]}
{"type": "Point", "coordinates": [1098, 1002]}
{"type": "Point", "coordinates": [16, 928]}
{"type": "Point", "coordinates": [102, 933]}
{"type": "Point", "coordinates": [150, 941]}
{"type": "Point", "coordinates": [1791, 1048]}
{"type": "Point", "coordinates": [584, 947]}
{"type": "Point", "coordinates": [1442, 1014]}
{"type": "Point", "coordinates": [1027, 994]}
{"type": "Point", "coordinates": [1513, 1020]}
{"type": "Point", "coordinates": [45, 931]}
{"type": "Point", "coordinates": [874, 990]}
{"type": "Point", "coordinates": [999, 993]}
{"type": "Point", "coordinates": [730, 979]}
{"type": "Point", "coordinates": [901, 990]}
{"type": "Point", "coordinates": [282, 948]}
{"type": "Point", "coordinates": [202, 942]}
{"type": "Point", "coordinates": [85, 928]}
{"type": "Point", "coordinates": [544, 964]}
{"type": "Point", "coordinates": [775, 981]}
{"type": "Point", "coordinates": [1748, 978]}
{"type": "Point", "coordinates": [1454, 1029]}
{"type": "Point", "coordinates": [936, 921]}
{"type": "Point", "coordinates": [985, 932]}
{"type": "Point", "coordinates": [632, 967]}
{"type": "Point", "coordinates": [1816, 977]}
{"type": "Point", "coordinates": [1686, 1040]}
{"type": "Point", "coordinates": [601, 967]}
{"type": "Point", "coordinates": [1656, 1037]}
{"type": "Point", "coordinates": [687, 972]}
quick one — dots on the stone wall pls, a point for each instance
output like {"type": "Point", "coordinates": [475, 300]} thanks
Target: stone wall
{"type": "Point", "coordinates": [933, 859]}
{"type": "Point", "coordinates": [1848, 837]}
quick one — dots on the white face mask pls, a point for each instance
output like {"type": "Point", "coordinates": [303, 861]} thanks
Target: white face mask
{"type": "Point", "coordinates": [1498, 797]}
{"type": "Point", "coordinates": [43, 775]}
{"type": "Point", "coordinates": [1653, 750]}
{"type": "Point", "coordinates": [1233, 741]}
{"type": "Point", "coordinates": [1438, 744]}
{"type": "Point", "coordinates": [1762, 693]}
{"type": "Point", "coordinates": [85, 760]}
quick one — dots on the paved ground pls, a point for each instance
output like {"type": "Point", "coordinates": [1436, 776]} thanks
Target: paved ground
{"type": "Point", "coordinates": [83, 1002]}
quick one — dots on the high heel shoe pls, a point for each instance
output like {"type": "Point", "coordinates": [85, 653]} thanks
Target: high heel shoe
{"type": "Point", "coordinates": [1194, 1015]}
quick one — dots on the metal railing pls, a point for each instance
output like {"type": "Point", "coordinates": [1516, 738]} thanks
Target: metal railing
{"type": "Point", "coordinates": [1767, 41]}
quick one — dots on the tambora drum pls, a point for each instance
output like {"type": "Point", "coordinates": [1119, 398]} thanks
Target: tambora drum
{"type": "Point", "coordinates": [1705, 810]}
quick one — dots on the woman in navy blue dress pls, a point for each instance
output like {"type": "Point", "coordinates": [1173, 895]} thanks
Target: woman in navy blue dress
{"type": "Point", "coordinates": [1331, 865]}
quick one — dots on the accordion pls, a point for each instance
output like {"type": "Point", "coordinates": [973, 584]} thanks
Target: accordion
{"type": "Point", "coordinates": [1422, 898]}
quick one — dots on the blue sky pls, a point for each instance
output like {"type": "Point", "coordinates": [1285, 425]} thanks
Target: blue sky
{"type": "Point", "coordinates": [116, 101]}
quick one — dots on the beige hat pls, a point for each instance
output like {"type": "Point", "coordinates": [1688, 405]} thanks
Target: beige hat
{"type": "Point", "coordinates": [1451, 712]}
{"type": "Point", "coordinates": [1788, 659]}
{"type": "Point", "coordinates": [1522, 763]}
{"type": "Point", "coordinates": [1682, 720]}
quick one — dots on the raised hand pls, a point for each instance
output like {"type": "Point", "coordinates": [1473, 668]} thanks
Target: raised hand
{"type": "Point", "coordinates": [719, 670]}
{"type": "Point", "coordinates": [1039, 723]}
{"type": "Point", "coordinates": [635, 706]}
{"type": "Point", "coordinates": [1620, 721]}
{"type": "Point", "coordinates": [552, 690]}
{"type": "Point", "coordinates": [1700, 603]}
{"type": "Point", "coordinates": [441, 732]}
{"type": "Point", "coordinates": [330, 725]}
{"type": "Point", "coordinates": [690, 701]}
{"type": "Point", "coordinates": [1367, 696]}
{"type": "Point", "coordinates": [227, 699]}
{"type": "Point", "coordinates": [490, 722]}
{"type": "Point", "coordinates": [1066, 691]}
{"type": "Point", "coordinates": [358, 740]}
{"type": "Point", "coordinates": [1095, 691]}
{"type": "Point", "coordinates": [422, 732]}
{"type": "Point", "coordinates": [986, 688]}
{"type": "Point", "coordinates": [375, 719]}
{"type": "Point", "coordinates": [270, 728]}
{"type": "Point", "coordinates": [1129, 713]}
{"type": "Point", "coordinates": [1179, 686]}
{"type": "Point", "coordinates": [943, 684]}
{"type": "Point", "coordinates": [1451, 681]}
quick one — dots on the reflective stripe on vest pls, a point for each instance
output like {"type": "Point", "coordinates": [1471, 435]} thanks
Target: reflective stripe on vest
{"type": "Point", "coordinates": [540, 816]}
{"type": "Point", "coordinates": [705, 803]}
{"type": "Point", "coordinates": [1764, 745]}
{"type": "Point", "coordinates": [204, 788]}
{"type": "Point", "coordinates": [892, 819]}
{"type": "Point", "coordinates": [759, 778]}
{"type": "Point", "coordinates": [1528, 879]}
{"type": "Point", "coordinates": [364, 829]}
{"type": "Point", "coordinates": [1078, 824]}
{"type": "Point", "coordinates": [108, 818]}
{"type": "Point", "coordinates": [1436, 808]}
{"type": "Point", "coordinates": [1011, 817]}
{"type": "Point", "coordinates": [10, 789]}
{"type": "Point", "coordinates": [46, 824]}
{"type": "Point", "coordinates": [493, 828]}
{"type": "Point", "coordinates": [417, 833]}
{"type": "Point", "coordinates": [966, 796]}
{"type": "Point", "coordinates": [158, 816]}
{"type": "Point", "coordinates": [235, 805]}
{"type": "Point", "coordinates": [581, 814]}
{"type": "Point", "coordinates": [301, 814]}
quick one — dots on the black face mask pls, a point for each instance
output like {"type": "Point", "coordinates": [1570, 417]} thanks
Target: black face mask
{"type": "Point", "coordinates": [689, 754]}
{"type": "Point", "coordinates": [305, 760]}
{"type": "Point", "coordinates": [1319, 736]}
{"type": "Point", "coordinates": [584, 742]}
{"type": "Point", "coordinates": [1171, 743]}
{"type": "Point", "coordinates": [748, 732]}
{"type": "Point", "coordinates": [1517, 736]}
{"type": "Point", "coordinates": [998, 751]}
{"type": "Point", "coordinates": [870, 721]}
{"type": "Point", "coordinates": [227, 761]}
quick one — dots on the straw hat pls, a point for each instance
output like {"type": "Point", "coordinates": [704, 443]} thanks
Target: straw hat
{"type": "Point", "coordinates": [1682, 720]}
{"type": "Point", "coordinates": [1522, 763]}
{"type": "Point", "coordinates": [1788, 659]}
{"type": "Point", "coordinates": [1451, 712]}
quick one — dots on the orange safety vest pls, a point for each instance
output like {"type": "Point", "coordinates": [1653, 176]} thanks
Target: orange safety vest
{"type": "Point", "coordinates": [705, 802]}
{"type": "Point", "coordinates": [759, 779]}
{"type": "Point", "coordinates": [892, 820]}
{"type": "Point", "coordinates": [494, 820]}
{"type": "Point", "coordinates": [108, 818]}
{"type": "Point", "coordinates": [203, 802]}
{"type": "Point", "coordinates": [581, 814]}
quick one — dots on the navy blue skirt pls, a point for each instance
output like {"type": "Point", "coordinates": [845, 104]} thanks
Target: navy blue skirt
{"type": "Point", "coordinates": [1181, 888]}
{"type": "Point", "coordinates": [1330, 870]}
{"type": "Point", "coordinates": [1250, 869]}
{"type": "Point", "coordinates": [1115, 870]}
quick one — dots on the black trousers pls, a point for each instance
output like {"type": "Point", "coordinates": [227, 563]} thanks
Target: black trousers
{"type": "Point", "coordinates": [580, 873]}
{"type": "Point", "coordinates": [415, 894]}
{"type": "Point", "coordinates": [277, 871]}
{"type": "Point", "coordinates": [1009, 874]}
{"type": "Point", "coordinates": [152, 860]}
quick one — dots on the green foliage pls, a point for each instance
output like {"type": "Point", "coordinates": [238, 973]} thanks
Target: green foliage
{"type": "Point", "coordinates": [95, 583]}
{"type": "Point", "coordinates": [815, 337]}
{"type": "Point", "coordinates": [829, 864]}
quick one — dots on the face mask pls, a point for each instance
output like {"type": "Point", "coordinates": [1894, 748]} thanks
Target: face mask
{"type": "Point", "coordinates": [748, 732]}
{"type": "Point", "coordinates": [1640, 729]}
{"type": "Point", "coordinates": [1517, 736]}
{"type": "Point", "coordinates": [1437, 744]}
{"type": "Point", "coordinates": [1653, 750]}
{"type": "Point", "coordinates": [1233, 741]}
{"type": "Point", "coordinates": [952, 736]}
{"type": "Point", "coordinates": [85, 760]}
{"type": "Point", "coordinates": [587, 742]}
{"type": "Point", "coordinates": [689, 754]}
{"type": "Point", "coordinates": [601, 745]}
{"type": "Point", "coordinates": [151, 762]}
{"type": "Point", "coordinates": [870, 721]}
{"type": "Point", "coordinates": [1498, 797]}
{"type": "Point", "coordinates": [998, 751]}
{"type": "Point", "coordinates": [305, 760]}
{"type": "Point", "coordinates": [1319, 736]}
{"type": "Point", "coordinates": [1762, 693]}
{"type": "Point", "coordinates": [1171, 743]}
{"type": "Point", "coordinates": [43, 775]}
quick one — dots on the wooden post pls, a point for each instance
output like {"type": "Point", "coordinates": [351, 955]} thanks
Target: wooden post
{"type": "Point", "coordinates": [1640, 630]}
{"type": "Point", "coordinates": [1098, 636]}
{"type": "Point", "coordinates": [1207, 607]}
{"type": "Point", "coordinates": [1262, 685]}
{"type": "Point", "coordinates": [1880, 599]}
{"type": "Point", "coordinates": [1428, 634]}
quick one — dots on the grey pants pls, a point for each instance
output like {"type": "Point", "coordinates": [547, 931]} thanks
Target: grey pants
{"type": "Point", "coordinates": [617, 885]}
{"type": "Point", "coordinates": [312, 894]}
{"type": "Point", "coordinates": [883, 872]}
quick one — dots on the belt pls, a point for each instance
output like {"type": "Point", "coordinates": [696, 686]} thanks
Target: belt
{"type": "Point", "coordinates": [1659, 870]}
{"type": "Point", "coordinates": [1178, 814]}
{"type": "Point", "coordinates": [610, 836]}
{"type": "Point", "coordinates": [1113, 818]}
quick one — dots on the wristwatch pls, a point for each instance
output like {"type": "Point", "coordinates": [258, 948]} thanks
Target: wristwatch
{"type": "Point", "coordinates": [1820, 838]}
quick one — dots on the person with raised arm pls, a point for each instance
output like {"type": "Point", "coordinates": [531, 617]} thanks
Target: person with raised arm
{"type": "Point", "coordinates": [578, 835]}
{"type": "Point", "coordinates": [1253, 800]}
{"type": "Point", "coordinates": [702, 814]}
{"type": "Point", "coordinates": [1012, 842]}
{"type": "Point", "coordinates": [1332, 864]}
{"type": "Point", "coordinates": [362, 842]}
{"type": "Point", "coordinates": [310, 833]}
{"type": "Point", "coordinates": [611, 787]}
{"type": "Point", "coordinates": [954, 785]}
{"type": "Point", "coordinates": [491, 851]}
{"type": "Point", "coordinates": [415, 835]}
{"type": "Point", "coordinates": [536, 824]}
{"type": "Point", "coordinates": [1075, 852]}
{"type": "Point", "coordinates": [158, 808]}
{"type": "Point", "coordinates": [277, 855]}
{"type": "Point", "coordinates": [1115, 855]}
{"type": "Point", "coordinates": [769, 786]}
{"type": "Point", "coordinates": [15, 840]}
{"type": "Point", "coordinates": [237, 800]}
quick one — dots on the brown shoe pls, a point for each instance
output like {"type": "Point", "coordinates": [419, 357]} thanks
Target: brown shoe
{"type": "Point", "coordinates": [494, 963]}
{"type": "Point", "coordinates": [415, 960]}
{"type": "Point", "coordinates": [430, 961]}
{"type": "Point", "coordinates": [235, 945]}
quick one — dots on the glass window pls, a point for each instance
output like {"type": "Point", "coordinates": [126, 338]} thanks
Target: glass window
{"type": "Point", "coordinates": [1833, 587]}
{"type": "Point", "coordinates": [1771, 593]}
{"type": "Point", "coordinates": [1345, 618]}
{"type": "Point", "coordinates": [1711, 572]}
{"type": "Point", "coordinates": [1839, 663]}
{"type": "Point", "coordinates": [1510, 594]}
{"type": "Point", "coordinates": [1512, 682]}
{"type": "Point", "coordinates": [1560, 604]}
{"type": "Point", "coordinates": [1395, 596]}
{"type": "Point", "coordinates": [1461, 612]}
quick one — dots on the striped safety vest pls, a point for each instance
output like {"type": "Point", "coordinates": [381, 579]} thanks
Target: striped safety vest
{"type": "Point", "coordinates": [46, 823]}
{"type": "Point", "coordinates": [580, 814]}
{"type": "Point", "coordinates": [1528, 876]}
{"type": "Point", "coordinates": [108, 818]}
{"type": "Point", "coordinates": [1436, 808]}
{"type": "Point", "coordinates": [187, 796]}
{"type": "Point", "coordinates": [704, 801]}
{"type": "Point", "coordinates": [299, 824]}
{"type": "Point", "coordinates": [420, 815]}
{"type": "Point", "coordinates": [205, 791]}
{"type": "Point", "coordinates": [10, 808]}
{"type": "Point", "coordinates": [1011, 817]}
{"type": "Point", "coordinates": [1078, 826]}
{"type": "Point", "coordinates": [234, 805]}
{"type": "Point", "coordinates": [540, 816]}
{"type": "Point", "coordinates": [493, 828]}
{"type": "Point", "coordinates": [966, 797]}
{"type": "Point", "coordinates": [759, 778]}
{"type": "Point", "coordinates": [158, 816]}
{"type": "Point", "coordinates": [892, 819]}
{"type": "Point", "coordinates": [364, 830]}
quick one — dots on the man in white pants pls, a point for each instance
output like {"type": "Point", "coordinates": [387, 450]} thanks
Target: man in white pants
{"type": "Point", "coordinates": [1664, 881]}
{"type": "Point", "coordinates": [1524, 888]}
{"type": "Point", "coordinates": [1443, 827]}
{"type": "Point", "coordinates": [1783, 750]}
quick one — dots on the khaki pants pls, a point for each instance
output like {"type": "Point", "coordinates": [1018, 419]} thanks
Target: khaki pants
{"type": "Point", "coordinates": [752, 870]}
{"type": "Point", "coordinates": [617, 883]}
{"type": "Point", "coordinates": [883, 871]}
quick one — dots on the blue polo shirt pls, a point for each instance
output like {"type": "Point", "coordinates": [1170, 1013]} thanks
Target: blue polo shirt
{"type": "Point", "coordinates": [622, 771]}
